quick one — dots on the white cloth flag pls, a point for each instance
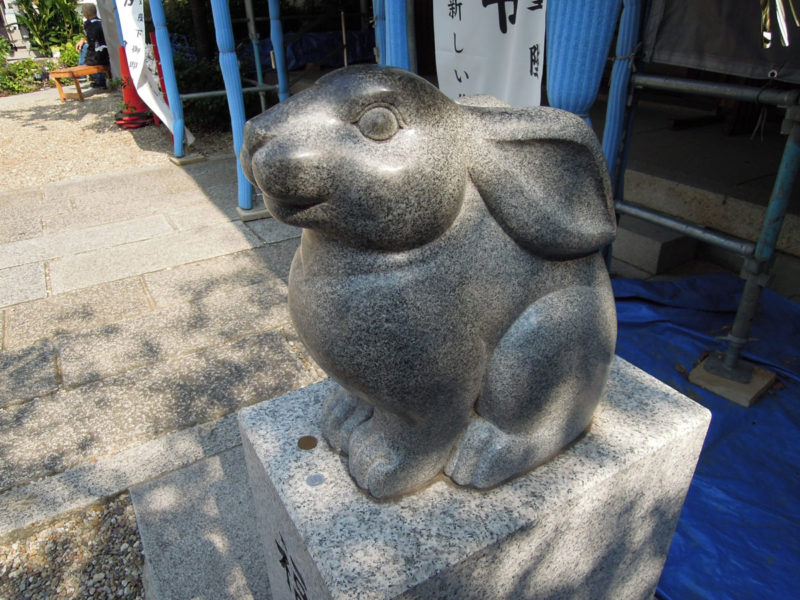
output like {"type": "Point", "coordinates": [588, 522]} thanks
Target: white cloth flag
{"type": "Point", "coordinates": [131, 20]}
{"type": "Point", "coordinates": [493, 47]}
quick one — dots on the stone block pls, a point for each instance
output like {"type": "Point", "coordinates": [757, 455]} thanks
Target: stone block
{"type": "Point", "coordinates": [27, 372]}
{"type": "Point", "coordinates": [58, 432]}
{"type": "Point", "coordinates": [619, 268]}
{"type": "Point", "coordinates": [19, 228]}
{"type": "Point", "coordinates": [272, 231]}
{"type": "Point", "coordinates": [649, 247]}
{"type": "Point", "coordinates": [196, 529]}
{"type": "Point", "coordinates": [166, 334]}
{"type": "Point", "coordinates": [595, 522]}
{"type": "Point", "coordinates": [88, 483]}
{"type": "Point", "coordinates": [22, 283]}
{"type": "Point", "coordinates": [73, 312]}
{"type": "Point", "coordinates": [90, 268]}
{"type": "Point", "coordinates": [82, 240]}
{"type": "Point", "coordinates": [221, 275]}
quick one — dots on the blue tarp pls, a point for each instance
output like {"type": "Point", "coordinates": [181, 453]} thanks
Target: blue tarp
{"type": "Point", "coordinates": [739, 532]}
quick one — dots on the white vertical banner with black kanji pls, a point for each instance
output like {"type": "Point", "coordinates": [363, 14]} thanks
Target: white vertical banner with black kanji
{"type": "Point", "coordinates": [493, 47]}
{"type": "Point", "coordinates": [131, 20]}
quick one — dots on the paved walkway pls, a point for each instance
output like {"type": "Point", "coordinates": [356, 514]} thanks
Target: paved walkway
{"type": "Point", "coordinates": [136, 313]}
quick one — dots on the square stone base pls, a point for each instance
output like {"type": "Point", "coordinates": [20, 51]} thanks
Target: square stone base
{"type": "Point", "coordinates": [595, 522]}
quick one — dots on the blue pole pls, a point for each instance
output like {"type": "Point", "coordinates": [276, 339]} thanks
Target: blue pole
{"type": "Point", "coordinates": [781, 193]}
{"type": "Point", "coordinates": [233, 88]}
{"type": "Point", "coordinates": [119, 25]}
{"type": "Point", "coordinates": [276, 35]}
{"type": "Point", "coordinates": [168, 68]}
{"type": "Point", "coordinates": [578, 38]}
{"type": "Point", "coordinates": [396, 35]}
{"type": "Point", "coordinates": [379, 9]}
{"type": "Point", "coordinates": [627, 38]}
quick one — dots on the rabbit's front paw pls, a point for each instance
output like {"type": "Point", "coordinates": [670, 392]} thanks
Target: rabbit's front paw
{"type": "Point", "coordinates": [342, 412]}
{"type": "Point", "coordinates": [389, 458]}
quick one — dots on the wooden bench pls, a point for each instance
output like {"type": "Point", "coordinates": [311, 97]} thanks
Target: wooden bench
{"type": "Point", "coordinates": [73, 73]}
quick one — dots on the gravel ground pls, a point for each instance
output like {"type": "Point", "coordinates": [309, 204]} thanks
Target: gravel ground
{"type": "Point", "coordinates": [95, 553]}
{"type": "Point", "coordinates": [43, 140]}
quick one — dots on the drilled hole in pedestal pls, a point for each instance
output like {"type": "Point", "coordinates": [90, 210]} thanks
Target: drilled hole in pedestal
{"type": "Point", "coordinates": [307, 442]}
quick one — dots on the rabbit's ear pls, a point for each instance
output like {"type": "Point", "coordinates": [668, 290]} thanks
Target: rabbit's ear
{"type": "Point", "coordinates": [544, 179]}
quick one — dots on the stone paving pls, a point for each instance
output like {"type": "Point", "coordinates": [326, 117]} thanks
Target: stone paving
{"type": "Point", "coordinates": [136, 313]}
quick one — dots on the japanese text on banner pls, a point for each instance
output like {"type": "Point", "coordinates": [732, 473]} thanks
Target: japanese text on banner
{"type": "Point", "coordinates": [131, 20]}
{"type": "Point", "coordinates": [493, 47]}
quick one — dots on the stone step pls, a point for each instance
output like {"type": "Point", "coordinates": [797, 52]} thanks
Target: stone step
{"type": "Point", "coordinates": [83, 240]}
{"type": "Point", "coordinates": [166, 251]}
{"type": "Point", "coordinates": [174, 331]}
{"type": "Point", "coordinates": [198, 532]}
{"type": "Point", "coordinates": [69, 340]}
{"type": "Point", "coordinates": [102, 305]}
{"type": "Point", "coordinates": [651, 249]}
{"type": "Point", "coordinates": [68, 428]}
{"type": "Point", "coordinates": [44, 499]}
{"type": "Point", "coordinates": [22, 284]}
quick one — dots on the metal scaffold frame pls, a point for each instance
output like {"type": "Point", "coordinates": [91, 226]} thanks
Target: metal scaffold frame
{"type": "Point", "coordinates": [758, 257]}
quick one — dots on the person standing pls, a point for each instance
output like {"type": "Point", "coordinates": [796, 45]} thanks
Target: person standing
{"type": "Point", "coordinates": [93, 47]}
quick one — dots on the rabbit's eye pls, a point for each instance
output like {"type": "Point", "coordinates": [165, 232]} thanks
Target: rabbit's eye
{"type": "Point", "coordinates": [378, 123]}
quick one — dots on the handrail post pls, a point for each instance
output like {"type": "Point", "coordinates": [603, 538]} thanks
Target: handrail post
{"type": "Point", "coordinates": [170, 81]}
{"type": "Point", "coordinates": [379, 10]}
{"type": "Point", "coordinates": [229, 64]}
{"type": "Point", "coordinates": [276, 35]}
{"type": "Point", "coordinates": [396, 35]}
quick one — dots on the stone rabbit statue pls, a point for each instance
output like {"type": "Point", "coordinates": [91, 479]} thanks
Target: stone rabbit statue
{"type": "Point", "coordinates": [448, 278]}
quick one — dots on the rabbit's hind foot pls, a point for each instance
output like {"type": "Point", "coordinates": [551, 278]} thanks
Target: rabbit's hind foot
{"type": "Point", "coordinates": [389, 457]}
{"type": "Point", "coordinates": [342, 412]}
{"type": "Point", "coordinates": [486, 456]}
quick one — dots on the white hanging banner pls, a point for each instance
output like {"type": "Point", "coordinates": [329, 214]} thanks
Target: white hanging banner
{"type": "Point", "coordinates": [131, 20]}
{"type": "Point", "coordinates": [493, 47]}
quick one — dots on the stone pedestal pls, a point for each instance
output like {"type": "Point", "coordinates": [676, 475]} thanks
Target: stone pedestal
{"type": "Point", "coordinates": [595, 522]}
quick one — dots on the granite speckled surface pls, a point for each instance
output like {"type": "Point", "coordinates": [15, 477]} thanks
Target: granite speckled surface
{"type": "Point", "coordinates": [594, 522]}
{"type": "Point", "coordinates": [446, 250]}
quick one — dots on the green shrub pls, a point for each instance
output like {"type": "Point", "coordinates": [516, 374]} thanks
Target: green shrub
{"type": "Point", "coordinates": [5, 51]}
{"type": "Point", "coordinates": [49, 22]}
{"type": "Point", "coordinates": [69, 55]}
{"type": "Point", "coordinates": [17, 77]}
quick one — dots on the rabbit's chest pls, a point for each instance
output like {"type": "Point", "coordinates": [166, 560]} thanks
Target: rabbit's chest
{"type": "Point", "coordinates": [377, 302]}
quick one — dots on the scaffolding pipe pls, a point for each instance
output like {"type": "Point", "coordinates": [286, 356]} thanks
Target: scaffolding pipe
{"type": "Point", "coordinates": [170, 81]}
{"type": "Point", "coordinates": [216, 93]}
{"type": "Point", "coordinates": [276, 35]}
{"type": "Point", "coordinates": [233, 86]}
{"type": "Point", "coordinates": [728, 91]}
{"type": "Point", "coordinates": [252, 32]}
{"type": "Point", "coordinates": [765, 249]}
{"type": "Point", "coordinates": [781, 192]}
{"type": "Point", "coordinates": [726, 242]}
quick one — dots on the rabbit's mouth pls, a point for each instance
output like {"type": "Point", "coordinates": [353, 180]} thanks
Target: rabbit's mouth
{"type": "Point", "coordinates": [294, 211]}
{"type": "Point", "coordinates": [295, 203]}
